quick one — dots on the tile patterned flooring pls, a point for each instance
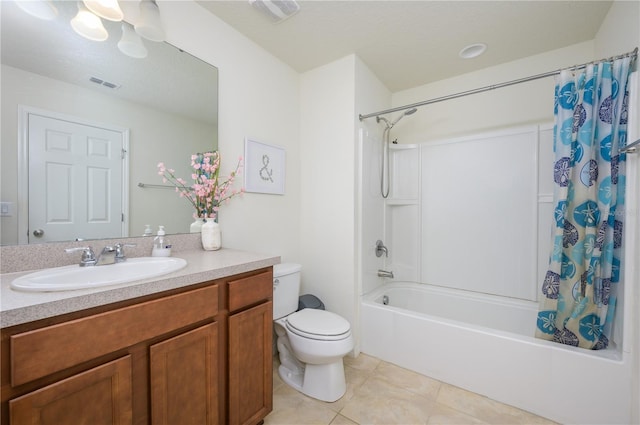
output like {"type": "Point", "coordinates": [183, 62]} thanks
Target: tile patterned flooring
{"type": "Point", "coordinates": [382, 393]}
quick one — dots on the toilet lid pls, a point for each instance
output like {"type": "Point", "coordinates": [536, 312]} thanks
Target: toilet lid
{"type": "Point", "coordinates": [312, 322]}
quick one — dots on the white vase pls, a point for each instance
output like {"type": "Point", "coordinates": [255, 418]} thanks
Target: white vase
{"type": "Point", "coordinates": [211, 240]}
{"type": "Point", "coordinates": [196, 226]}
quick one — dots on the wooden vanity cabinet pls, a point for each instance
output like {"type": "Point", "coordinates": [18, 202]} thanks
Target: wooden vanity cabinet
{"type": "Point", "coordinates": [180, 357]}
{"type": "Point", "coordinates": [184, 378]}
{"type": "Point", "coordinates": [101, 395]}
{"type": "Point", "coordinates": [250, 347]}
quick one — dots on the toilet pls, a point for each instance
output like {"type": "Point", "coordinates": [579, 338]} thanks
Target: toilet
{"type": "Point", "coordinates": [311, 343]}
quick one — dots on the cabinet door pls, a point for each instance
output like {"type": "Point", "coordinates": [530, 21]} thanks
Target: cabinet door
{"type": "Point", "coordinates": [184, 378]}
{"type": "Point", "coordinates": [98, 396]}
{"type": "Point", "coordinates": [250, 364]}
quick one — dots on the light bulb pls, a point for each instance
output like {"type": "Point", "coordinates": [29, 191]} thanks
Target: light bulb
{"type": "Point", "coordinates": [130, 44]}
{"type": "Point", "coordinates": [107, 9]}
{"type": "Point", "coordinates": [41, 9]}
{"type": "Point", "coordinates": [149, 26]}
{"type": "Point", "coordinates": [88, 25]}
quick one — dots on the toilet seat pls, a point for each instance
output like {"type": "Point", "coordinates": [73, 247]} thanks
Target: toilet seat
{"type": "Point", "coordinates": [318, 324]}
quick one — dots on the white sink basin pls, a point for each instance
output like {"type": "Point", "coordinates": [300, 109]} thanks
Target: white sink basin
{"type": "Point", "coordinates": [75, 277]}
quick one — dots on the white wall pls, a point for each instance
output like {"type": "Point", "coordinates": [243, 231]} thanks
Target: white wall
{"type": "Point", "coordinates": [619, 32]}
{"type": "Point", "coordinates": [327, 158]}
{"type": "Point", "coordinates": [259, 98]}
{"type": "Point", "coordinates": [341, 213]}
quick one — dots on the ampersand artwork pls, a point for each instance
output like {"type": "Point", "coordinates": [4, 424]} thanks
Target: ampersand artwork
{"type": "Point", "coordinates": [265, 173]}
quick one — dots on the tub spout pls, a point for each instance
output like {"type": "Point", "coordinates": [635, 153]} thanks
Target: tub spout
{"type": "Point", "coordinates": [385, 273]}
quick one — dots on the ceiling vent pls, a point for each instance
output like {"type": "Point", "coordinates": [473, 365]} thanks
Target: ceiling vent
{"type": "Point", "coordinates": [276, 10]}
{"type": "Point", "coordinates": [104, 83]}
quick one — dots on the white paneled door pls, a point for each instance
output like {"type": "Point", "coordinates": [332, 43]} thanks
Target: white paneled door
{"type": "Point", "coordinates": [75, 180]}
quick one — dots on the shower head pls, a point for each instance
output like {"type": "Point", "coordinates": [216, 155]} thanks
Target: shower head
{"type": "Point", "coordinates": [410, 111]}
{"type": "Point", "coordinates": [391, 124]}
{"type": "Point", "coordinates": [407, 112]}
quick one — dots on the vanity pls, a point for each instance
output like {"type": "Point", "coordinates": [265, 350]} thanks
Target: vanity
{"type": "Point", "coordinates": [191, 347]}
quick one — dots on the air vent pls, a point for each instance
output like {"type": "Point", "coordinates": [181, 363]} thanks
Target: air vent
{"type": "Point", "coordinates": [104, 83]}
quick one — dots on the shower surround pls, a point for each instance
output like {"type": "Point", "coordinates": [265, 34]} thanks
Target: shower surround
{"type": "Point", "coordinates": [466, 224]}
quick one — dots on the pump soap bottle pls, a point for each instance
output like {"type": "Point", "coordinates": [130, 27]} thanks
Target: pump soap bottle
{"type": "Point", "coordinates": [161, 244]}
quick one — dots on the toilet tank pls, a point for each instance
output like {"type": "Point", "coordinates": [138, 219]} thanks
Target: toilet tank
{"type": "Point", "coordinates": [286, 289]}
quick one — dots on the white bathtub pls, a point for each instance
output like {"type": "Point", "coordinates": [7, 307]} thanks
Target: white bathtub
{"type": "Point", "coordinates": [483, 343]}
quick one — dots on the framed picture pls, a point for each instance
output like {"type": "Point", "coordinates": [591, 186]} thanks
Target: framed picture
{"type": "Point", "coordinates": [264, 167]}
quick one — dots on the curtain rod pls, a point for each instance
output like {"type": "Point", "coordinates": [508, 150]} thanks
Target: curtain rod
{"type": "Point", "coordinates": [633, 53]}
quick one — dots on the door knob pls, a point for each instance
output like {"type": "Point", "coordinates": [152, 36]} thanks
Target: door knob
{"type": "Point", "coordinates": [38, 233]}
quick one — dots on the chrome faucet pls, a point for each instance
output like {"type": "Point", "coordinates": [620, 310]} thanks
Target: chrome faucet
{"type": "Point", "coordinates": [120, 257]}
{"type": "Point", "coordinates": [109, 255]}
{"type": "Point", "coordinates": [380, 249]}
{"type": "Point", "coordinates": [385, 273]}
{"type": "Point", "coordinates": [88, 256]}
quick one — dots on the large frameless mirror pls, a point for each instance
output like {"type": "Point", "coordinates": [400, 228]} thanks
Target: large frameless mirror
{"type": "Point", "coordinates": [84, 126]}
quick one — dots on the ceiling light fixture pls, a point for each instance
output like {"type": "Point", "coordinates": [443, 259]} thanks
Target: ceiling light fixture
{"type": "Point", "coordinates": [149, 26]}
{"type": "Point", "coordinates": [107, 9]}
{"type": "Point", "coordinates": [41, 9]}
{"type": "Point", "coordinates": [88, 25]}
{"type": "Point", "coordinates": [277, 10]}
{"type": "Point", "coordinates": [473, 51]}
{"type": "Point", "coordinates": [130, 43]}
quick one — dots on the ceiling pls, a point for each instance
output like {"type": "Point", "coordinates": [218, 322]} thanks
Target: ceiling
{"type": "Point", "coordinates": [411, 43]}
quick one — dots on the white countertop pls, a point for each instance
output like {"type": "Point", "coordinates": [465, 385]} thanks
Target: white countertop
{"type": "Point", "coordinates": [17, 307]}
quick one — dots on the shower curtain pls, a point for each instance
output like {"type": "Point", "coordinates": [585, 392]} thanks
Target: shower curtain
{"type": "Point", "coordinates": [580, 286]}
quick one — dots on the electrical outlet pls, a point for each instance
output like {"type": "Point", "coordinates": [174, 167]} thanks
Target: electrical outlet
{"type": "Point", "coordinates": [6, 209]}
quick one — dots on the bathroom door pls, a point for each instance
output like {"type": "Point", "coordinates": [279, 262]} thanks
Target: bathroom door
{"type": "Point", "coordinates": [75, 180]}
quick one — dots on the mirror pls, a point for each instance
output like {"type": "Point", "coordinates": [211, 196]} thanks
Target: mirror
{"type": "Point", "coordinates": [165, 104]}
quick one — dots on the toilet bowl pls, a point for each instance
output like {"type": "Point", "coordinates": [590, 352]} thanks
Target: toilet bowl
{"type": "Point", "coordinates": [311, 343]}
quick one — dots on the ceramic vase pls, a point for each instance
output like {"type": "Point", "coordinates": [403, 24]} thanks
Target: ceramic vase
{"type": "Point", "coordinates": [211, 240]}
{"type": "Point", "coordinates": [196, 226]}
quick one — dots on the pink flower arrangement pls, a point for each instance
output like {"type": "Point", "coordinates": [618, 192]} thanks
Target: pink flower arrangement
{"type": "Point", "coordinates": [208, 191]}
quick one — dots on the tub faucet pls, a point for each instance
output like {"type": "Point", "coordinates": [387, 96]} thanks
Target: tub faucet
{"type": "Point", "coordinates": [385, 273]}
{"type": "Point", "coordinates": [380, 249]}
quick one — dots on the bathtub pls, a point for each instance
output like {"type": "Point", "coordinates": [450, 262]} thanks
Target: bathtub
{"type": "Point", "coordinates": [484, 344]}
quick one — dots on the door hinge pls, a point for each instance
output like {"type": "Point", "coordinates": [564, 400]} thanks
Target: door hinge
{"type": "Point", "coordinates": [122, 217]}
{"type": "Point", "coordinates": [123, 153]}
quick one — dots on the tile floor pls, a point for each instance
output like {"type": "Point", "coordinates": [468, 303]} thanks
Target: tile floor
{"type": "Point", "coordinates": [382, 393]}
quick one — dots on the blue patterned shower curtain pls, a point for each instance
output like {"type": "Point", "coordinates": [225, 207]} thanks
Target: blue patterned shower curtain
{"type": "Point", "coordinates": [579, 290]}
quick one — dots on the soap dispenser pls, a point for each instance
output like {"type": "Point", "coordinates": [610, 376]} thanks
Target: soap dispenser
{"type": "Point", "coordinates": [161, 244]}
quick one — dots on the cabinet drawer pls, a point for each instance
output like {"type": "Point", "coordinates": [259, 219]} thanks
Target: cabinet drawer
{"type": "Point", "coordinates": [43, 351]}
{"type": "Point", "coordinates": [250, 290]}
